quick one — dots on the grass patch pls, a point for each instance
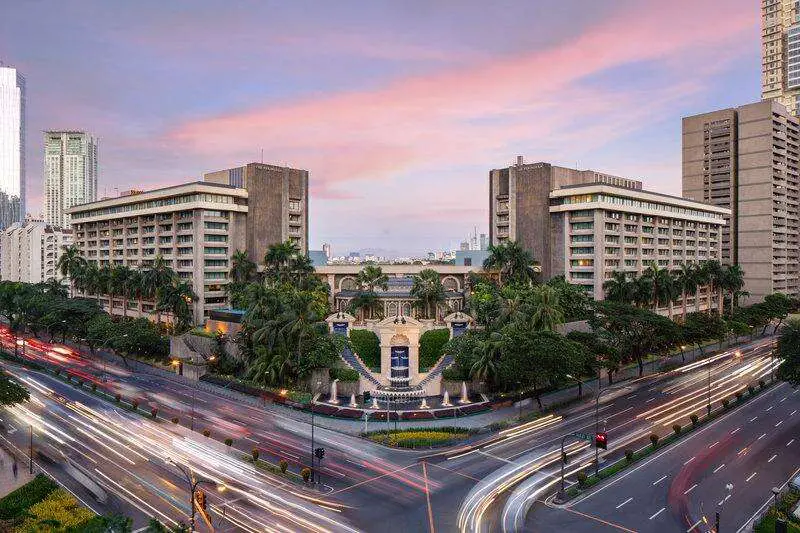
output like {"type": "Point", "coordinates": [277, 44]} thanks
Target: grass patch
{"type": "Point", "coordinates": [271, 468]}
{"type": "Point", "coordinates": [785, 505]}
{"type": "Point", "coordinates": [420, 437]}
{"type": "Point", "coordinates": [16, 503]}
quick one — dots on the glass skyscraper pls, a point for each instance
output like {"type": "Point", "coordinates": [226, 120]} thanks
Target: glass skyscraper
{"type": "Point", "coordinates": [12, 146]}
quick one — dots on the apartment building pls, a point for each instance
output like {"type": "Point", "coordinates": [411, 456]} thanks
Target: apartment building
{"type": "Point", "coordinates": [281, 194]}
{"type": "Point", "coordinates": [599, 228]}
{"type": "Point", "coordinates": [519, 204]}
{"type": "Point", "coordinates": [12, 146]}
{"type": "Point", "coordinates": [70, 173]}
{"type": "Point", "coordinates": [196, 227]}
{"type": "Point", "coordinates": [746, 159]}
{"type": "Point", "coordinates": [31, 250]}
{"type": "Point", "coordinates": [780, 52]}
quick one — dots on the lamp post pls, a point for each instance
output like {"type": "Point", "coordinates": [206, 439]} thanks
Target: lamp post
{"type": "Point", "coordinates": [708, 393]}
{"type": "Point", "coordinates": [193, 484]}
{"type": "Point", "coordinates": [597, 420]}
{"type": "Point", "coordinates": [319, 383]}
{"type": "Point", "coordinates": [30, 451]}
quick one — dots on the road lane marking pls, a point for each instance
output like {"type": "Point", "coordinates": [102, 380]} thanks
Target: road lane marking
{"type": "Point", "coordinates": [753, 419]}
{"type": "Point", "coordinates": [779, 423]}
{"type": "Point", "coordinates": [712, 445]}
{"type": "Point", "coordinates": [723, 500]}
{"type": "Point", "coordinates": [793, 412]}
{"type": "Point", "coordinates": [720, 467]}
{"type": "Point", "coordinates": [735, 431]}
{"type": "Point", "coordinates": [631, 396]}
{"type": "Point", "coordinates": [769, 408]}
{"type": "Point", "coordinates": [650, 400]}
{"type": "Point", "coordinates": [623, 503]}
{"type": "Point", "coordinates": [251, 440]}
{"type": "Point", "coordinates": [790, 442]}
{"type": "Point", "coordinates": [783, 399]}
{"type": "Point", "coordinates": [762, 436]}
{"type": "Point", "coordinates": [695, 525]}
{"type": "Point", "coordinates": [658, 512]}
{"type": "Point", "coordinates": [751, 476]}
{"type": "Point", "coordinates": [659, 480]}
{"type": "Point", "coordinates": [689, 461]}
{"type": "Point", "coordinates": [690, 489]}
{"type": "Point", "coordinates": [772, 458]}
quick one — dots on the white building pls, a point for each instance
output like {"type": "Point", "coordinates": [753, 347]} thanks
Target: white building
{"type": "Point", "coordinates": [70, 173]}
{"type": "Point", "coordinates": [12, 146]}
{"type": "Point", "coordinates": [30, 251]}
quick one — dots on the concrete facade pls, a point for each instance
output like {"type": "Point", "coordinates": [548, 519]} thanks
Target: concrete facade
{"type": "Point", "coordinates": [70, 173]}
{"type": "Point", "coordinates": [597, 229]}
{"type": "Point", "coordinates": [195, 227]}
{"type": "Point", "coordinates": [746, 159]}
{"type": "Point", "coordinates": [278, 199]}
{"type": "Point", "coordinates": [30, 251]}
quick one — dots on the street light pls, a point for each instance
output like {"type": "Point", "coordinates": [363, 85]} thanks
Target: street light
{"type": "Point", "coordinates": [193, 484]}
{"type": "Point", "coordinates": [708, 394]}
{"type": "Point", "coordinates": [600, 392]}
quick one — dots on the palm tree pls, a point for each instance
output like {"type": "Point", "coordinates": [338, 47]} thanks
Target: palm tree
{"type": "Point", "coordinates": [128, 280]}
{"type": "Point", "coordinates": [642, 291]}
{"type": "Point", "coordinates": [242, 269]}
{"type": "Point", "coordinates": [547, 312]}
{"type": "Point", "coordinates": [54, 287]}
{"type": "Point", "coordinates": [427, 288]}
{"type": "Point", "coordinates": [487, 354]}
{"type": "Point", "coordinates": [733, 281]}
{"type": "Point", "coordinates": [70, 264]}
{"type": "Point", "coordinates": [714, 279]}
{"type": "Point", "coordinates": [176, 298]}
{"type": "Point", "coordinates": [512, 260]}
{"type": "Point", "coordinates": [619, 288]}
{"type": "Point", "coordinates": [662, 286]}
{"type": "Point", "coordinates": [92, 281]}
{"type": "Point", "coordinates": [512, 309]}
{"type": "Point", "coordinates": [371, 277]}
{"type": "Point", "coordinates": [278, 259]}
{"type": "Point", "coordinates": [686, 281]}
{"type": "Point", "coordinates": [159, 275]}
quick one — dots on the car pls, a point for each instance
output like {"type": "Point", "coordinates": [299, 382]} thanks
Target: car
{"type": "Point", "coordinates": [795, 482]}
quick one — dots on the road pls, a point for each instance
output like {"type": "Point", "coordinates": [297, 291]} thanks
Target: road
{"type": "Point", "coordinates": [369, 484]}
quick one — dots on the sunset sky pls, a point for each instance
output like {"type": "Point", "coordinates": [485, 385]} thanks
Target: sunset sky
{"type": "Point", "coordinates": [398, 109]}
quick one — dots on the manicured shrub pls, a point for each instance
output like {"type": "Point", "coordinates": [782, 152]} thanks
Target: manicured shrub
{"type": "Point", "coordinates": [255, 454]}
{"type": "Point", "coordinates": [347, 375]}
{"type": "Point", "coordinates": [94, 387]}
{"type": "Point", "coordinates": [739, 395]}
{"type": "Point", "coordinates": [283, 466]}
{"type": "Point", "coordinates": [582, 479]}
{"type": "Point", "coordinates": [117, 398]}
{"type": "Point", "coordinates": [60, 507]}
{"type": "Point", "coordinates": [154, 412]}
{"type": "Point", "coordinates": [751, 390]}
{"type": "Point", "coordinates": [431, 347]}
{"type": "Point", "coordinates": [17, 502]}
{"type": "Point", "coordinates": [762, 383]}
{"type": "Point", "coordinates": [676, 428]}
{"type": "Point", "coordinates": [305, 473]}
{"type": "Point", "coordinates": [694, 418]}
{"type": "Point", "coordinates": [367, 345]}
{"type": "Point", "coordinates": [629, 455]}
{"type": "Point", "coordinates": [175, 420]}
{"type": "Point", "coordinates": [206, 433]}
{"type": "Point", "coordinates": [229, 442]}
{"type": "Point", "coordinates": [135, 404]}
{"type": "Point", "coordinates": [725, 402]}
{"type": "Point", "coordinates": [654, 439]}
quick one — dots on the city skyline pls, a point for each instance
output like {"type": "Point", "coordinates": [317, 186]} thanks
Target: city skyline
{"type": "Point", "coordinates": [369, 110]}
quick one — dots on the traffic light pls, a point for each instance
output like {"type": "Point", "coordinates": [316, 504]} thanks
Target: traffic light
{"type": "Point", "coordinates": [200, 499]}
{"type": "Point", "coordinates": [319, 453]}
{"type": "Point", "coordinates": [601, 440]}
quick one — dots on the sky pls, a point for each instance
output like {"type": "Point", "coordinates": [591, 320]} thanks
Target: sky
{"type": "Point", "coordinates": [397, 109]}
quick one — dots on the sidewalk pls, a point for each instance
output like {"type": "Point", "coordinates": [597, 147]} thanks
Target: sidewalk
{"type": "Point", "coordinates": [9, 482]}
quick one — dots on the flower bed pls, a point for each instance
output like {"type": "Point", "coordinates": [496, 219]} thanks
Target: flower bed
{"type": "Point", "coordinates": [420, 437]}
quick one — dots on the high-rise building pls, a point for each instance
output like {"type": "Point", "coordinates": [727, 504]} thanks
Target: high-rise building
{"type": "Point", "coordinates": [746, 159]}
{"type": "Point", "coordinates": [519, 202]}
{"type": "Point", "coordinates": [326, 249]}
{"type": "Point", "coordinates": [484, 242]}
{"type": "Point", "coordinates": [31, 250]}
{"type": "Point", "coordinates": [780, 52]}
{"type": "Point", "coordinates": [282, 196]}
{"type": "Point", "coordinates": [70, 173]}
{"type": "Point", "coordinates": [12, 146]}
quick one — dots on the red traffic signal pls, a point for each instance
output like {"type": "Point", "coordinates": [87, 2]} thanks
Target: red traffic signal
{"type": "Point", "coordinates": [601, 440]}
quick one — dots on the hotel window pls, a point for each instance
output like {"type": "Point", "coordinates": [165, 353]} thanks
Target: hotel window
{"type": "Point", "coordinates": [215, 225]}
{"type": "Point", "coordinates": [581, 213]}
{"type": "Point", "coordinates": [216, 263]}
{"type": "Point", "coordinates": [183, 239]}
{"type": "Point", "coordinates": [582, 250]}
{"type": "Point", "coordinates": [216, 238]}
{"type": "Point", "coordinates": [294, 204]}
{"type": "Point", "coordinates": [582, 275]}
{"type": "Point", "coordinates": [582, 238]}
{"type": "Point", "coordinates": [575, 226]}
{"type": "Point", "coordinates": [183, 226]}
{"type": "Point", "coordinates": [612, 227]}
{"type": "Point", "coordinates": [215, 250]}
{"type": "Point", "coordinates": [582, 262]}
{"type": "Point", "coordinates": [631, 262]}
{"type": "Point", "coordinates": [613, 239]}
{"type": "Point", "coordinates": [629, 227]}
{"type": "Point", "coordinates": [612, 250]}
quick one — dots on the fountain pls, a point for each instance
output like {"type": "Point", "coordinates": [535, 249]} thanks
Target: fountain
{"type": "Point", "coordinates": [464, 397]}
{"type": "Point", "coordinates": [375, 403]}
{"type": "Point", "coordinates": [424, 404]}
{"type": "Point", "coordinates": [333, 399]}
{"type": "Point", "coordinates": [446, 399]}
{"type": "Point", "coordinates": [353, 401]}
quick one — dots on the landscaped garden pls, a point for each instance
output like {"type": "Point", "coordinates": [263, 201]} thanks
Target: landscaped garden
{"type": "Point", "coordinates": [420, 437]}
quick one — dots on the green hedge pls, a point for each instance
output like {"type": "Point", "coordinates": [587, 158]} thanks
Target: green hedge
{"type": "Point", "coordinates": [367, 345]}
{"type": "Point", "coordinates": [16, 503]}
{"type": "Point", "coordinates": [431, 347]}
{"type": "Point", "coordinates": [344, 374]}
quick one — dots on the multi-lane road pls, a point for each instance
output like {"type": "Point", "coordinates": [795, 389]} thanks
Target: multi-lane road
{"type": "Point", "coordinates": [366, 486]}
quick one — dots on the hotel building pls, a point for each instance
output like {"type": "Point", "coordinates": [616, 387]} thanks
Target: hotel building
{"type": "Point", "coordinates": [746, 159]}
{"type": "Point", "coordinates": [780, 52]}
{"type": "Point", "coordinates": [30, 251]}
{"type": "Point", "coordinates": [195, 227]}
{"type": "Point", "coordinates": [70, 173]}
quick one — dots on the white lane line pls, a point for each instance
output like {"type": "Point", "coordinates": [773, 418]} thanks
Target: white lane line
{"type": "Point", "coordinates": [712, 445]}
{"type": "Point", "coordinates": [650, 400]}
{"type": "Point", "coordinates": [735, 431]}
{"type": "Point", "coordinates": [762, 436]}
{"type": "Point", "coordinates": [751, 476]}
{"type": "Point", "coordinates": [251, 440]}
{"type": "Point", "coordinates": [723, 500]}
{"type": "Point", "coordinates": [790, 442]}
{"type": "Point", "coordinates": [793, 412]}
{"type": "Point", "coordinates": [720, 467]}
{"type": "Point", "coordinates": [783, 399]}
{"type": "Point", "coordinates": [658, 512]}
{"type": "Point", "coordinates": [659, 480]}
{"type": "Point", "coordinates": [695, 525]}
{"type": "Point", "coordinates": [690, 489]}
{"type": "Point", "coordinates": [753, 419]}
{"type": "Point", "coordinates": [779, 423]}
{"type": "Point", "coordinates": [769, 408]}
{"type": "Point", "coordinates": [772, 458]}
{"type": "Point", "coordinates": [689, 461]}
{"type": "Point", "coordinates": [631, 396]}
{"type": "Point", "coordinates": [623, 503]}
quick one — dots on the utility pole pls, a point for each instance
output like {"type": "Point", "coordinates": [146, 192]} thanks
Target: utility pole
{"type": "Point", "coordinates": [708, 405]}
{"type": "Point", "coordinates": [312, 440]}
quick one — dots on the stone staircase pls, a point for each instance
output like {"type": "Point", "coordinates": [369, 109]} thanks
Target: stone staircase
{"type": "Point", "coordinates": [438, 368]}
{"type": "Point", "coordinates": [356, 364]}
